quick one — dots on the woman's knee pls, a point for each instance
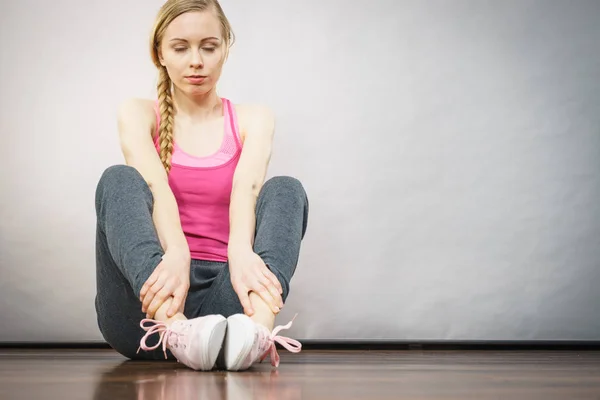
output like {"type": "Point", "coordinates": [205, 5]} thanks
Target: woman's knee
{"type": "Point", "coordinates": [287, 185]}
{"type": "Point", "coordinates": [120, 177]}
{"type": "Point", "coordinates": [283, 181]}
{"type": "Point", "coordinates": [291, 191]}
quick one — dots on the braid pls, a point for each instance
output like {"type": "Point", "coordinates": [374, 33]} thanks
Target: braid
{"type": "Point", "coordinates": [165, 104]}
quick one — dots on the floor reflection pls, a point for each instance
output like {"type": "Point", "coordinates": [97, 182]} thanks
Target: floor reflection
{"type": "Point", "coordinates": [172, 381]}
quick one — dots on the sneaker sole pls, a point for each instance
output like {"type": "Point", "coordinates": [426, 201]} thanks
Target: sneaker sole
{"type": "Point", "coordinates": [214, 342]}
{"type": "Point", "coordinates": [239, 341]}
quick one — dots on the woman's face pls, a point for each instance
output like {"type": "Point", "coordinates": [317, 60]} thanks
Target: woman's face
{"type": "Point", "coordinates": [193, 52]}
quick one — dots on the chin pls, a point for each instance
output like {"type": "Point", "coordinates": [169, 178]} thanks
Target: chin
{"type": "Point", "coordinates": [198, 90]}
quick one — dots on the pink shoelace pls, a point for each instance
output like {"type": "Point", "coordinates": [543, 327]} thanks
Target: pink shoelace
{"type": "Point", "coordinates": [289, 344]}
{"type": "Point", "coordinates": [159, 327]}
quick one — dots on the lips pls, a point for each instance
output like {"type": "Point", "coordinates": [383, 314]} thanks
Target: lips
{"type": "Point", "coordinates": [196, 79]}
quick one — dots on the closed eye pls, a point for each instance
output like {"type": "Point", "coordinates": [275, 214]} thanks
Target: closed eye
{"type": "Point", "coordinates": [209, 49]}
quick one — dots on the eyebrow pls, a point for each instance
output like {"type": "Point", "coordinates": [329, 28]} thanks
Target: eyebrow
{"type": "Point", "coordinates": [203, 40]}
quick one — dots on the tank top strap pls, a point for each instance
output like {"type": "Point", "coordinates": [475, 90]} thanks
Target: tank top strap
{"type": "Point", "coordinates": [231, 122]}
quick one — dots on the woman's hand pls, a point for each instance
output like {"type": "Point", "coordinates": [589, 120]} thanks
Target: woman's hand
{"type": "Point", "coordinates": [250, 274]}
{"type": "Point", "coordinates": [170, 278]}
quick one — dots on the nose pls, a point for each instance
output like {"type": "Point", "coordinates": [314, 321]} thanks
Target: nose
{"type": "Point", "coordinates": [196, 61]}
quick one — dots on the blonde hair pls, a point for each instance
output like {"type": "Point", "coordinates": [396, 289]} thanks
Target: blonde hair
{"type": "Point", "coordinates": [168, 12]}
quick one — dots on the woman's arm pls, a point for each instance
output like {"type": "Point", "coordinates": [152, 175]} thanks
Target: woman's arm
{"type": "Point", "coordinates": [136, 121]}
{"type": "Point", "coordinates": [258, 124]}
{"type": "Point", "coordinates": [248, 271]}
{"type": "Point", "coordinates": [170, 279]}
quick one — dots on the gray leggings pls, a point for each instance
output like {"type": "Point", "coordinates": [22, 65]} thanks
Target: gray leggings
{"type": "Point", "coordinates": [128, 250]}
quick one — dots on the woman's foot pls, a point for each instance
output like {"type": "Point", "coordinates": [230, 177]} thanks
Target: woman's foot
{"type": "Point", "coordinates": [195, 342]}
{"type": "Point", "coordinates": [247, 342]}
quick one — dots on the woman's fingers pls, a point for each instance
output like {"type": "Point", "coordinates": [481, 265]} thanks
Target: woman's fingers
{"type": "Point", "coordinates": [267, 291]}
{"type": "Point", "coordinates": [178, 299]}
{"type": "Point", "coordinates": [275, 295]}
{"type": "Point", "coordinates": [148, 284]}
{"type": "Point", "coordinates": [271, 282]}
{"type": "Point", "coordinates": [269, 274]}
{"type": "Point", "coordinates": [151, 293]}
{"type": "Point", "coordinates": [158, 300]}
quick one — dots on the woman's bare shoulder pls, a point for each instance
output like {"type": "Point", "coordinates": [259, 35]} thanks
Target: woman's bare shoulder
{"type": "Point", "coordinates": [139, 111]}
{"type": "Point", "coordinates": [136, 107]}
{"type": "Point", "coordinates": [254, 116]}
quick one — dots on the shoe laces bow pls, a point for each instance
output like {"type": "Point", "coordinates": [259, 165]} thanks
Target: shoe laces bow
{"type": "Point", "coordinates": [289, 344]}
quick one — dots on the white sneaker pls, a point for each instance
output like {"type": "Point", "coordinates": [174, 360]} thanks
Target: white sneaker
{"type": "Point", "coordinates": [195, 342]}
{"type": "Point", "coordinates": [247, 342]}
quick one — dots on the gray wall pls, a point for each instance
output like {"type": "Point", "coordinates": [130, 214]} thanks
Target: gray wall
{"type": "Point", "coordinates": [450, 149]}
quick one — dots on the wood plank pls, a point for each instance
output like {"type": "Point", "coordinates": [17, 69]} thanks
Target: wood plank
{"type": "Point", "coordinates": [312, 374]}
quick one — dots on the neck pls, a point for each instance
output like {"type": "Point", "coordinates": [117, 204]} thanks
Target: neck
{"type": "Point", "coordinates": [197, 107]}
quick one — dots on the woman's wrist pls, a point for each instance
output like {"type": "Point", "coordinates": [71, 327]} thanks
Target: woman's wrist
{"type": "Point", "coordinates": [181, 253]}
{"type": "Point", "coordinates": [237, 247]}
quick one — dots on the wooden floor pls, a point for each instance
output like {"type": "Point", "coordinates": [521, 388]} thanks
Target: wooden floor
{"type": "Point", "coordinates": [312, 374]}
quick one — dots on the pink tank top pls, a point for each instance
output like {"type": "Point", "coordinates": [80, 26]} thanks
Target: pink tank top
{"type": "Point", "coordinates": [202, 188]}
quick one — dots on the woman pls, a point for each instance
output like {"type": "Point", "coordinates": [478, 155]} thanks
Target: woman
{"type": "Point", "coordinates": [193, 246]}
